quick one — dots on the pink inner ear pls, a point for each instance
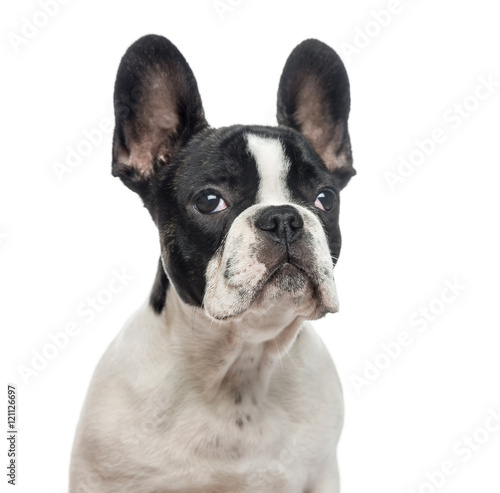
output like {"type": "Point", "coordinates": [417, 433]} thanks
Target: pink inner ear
{"type": "Point", "coordinates": [316, 124]}
{"type": "Point", "coordinates": [141, 158]}
{"type": "Point", "coordinates": [149, 137]}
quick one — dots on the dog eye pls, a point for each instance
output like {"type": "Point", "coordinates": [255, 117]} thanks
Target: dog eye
{"type": "Point", "coordinates": [325, 200]}
{"type": "Point", "coordinates": [209, 202]}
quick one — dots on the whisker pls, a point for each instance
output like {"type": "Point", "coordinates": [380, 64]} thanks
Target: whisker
{"type": "Point", "coordinates": [291, 359]}
{"type": "Point", "coordinates": [192, 319]}
{"type": "Point", "coordinates": [279, 355]}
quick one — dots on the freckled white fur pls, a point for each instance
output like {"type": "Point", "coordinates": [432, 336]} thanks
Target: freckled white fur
{"type": "Point", "coordinates": [160, 413]}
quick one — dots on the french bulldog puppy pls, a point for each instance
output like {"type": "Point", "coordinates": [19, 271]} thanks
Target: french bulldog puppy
{"type": "Point", "coordinates": [218, 383]}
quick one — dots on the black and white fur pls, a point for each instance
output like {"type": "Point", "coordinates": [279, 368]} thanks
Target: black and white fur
{"type": "Point", "coordinates": [218, 383]}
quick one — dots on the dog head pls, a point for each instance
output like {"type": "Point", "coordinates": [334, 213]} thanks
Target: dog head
{"type": "Point", "coordinates": [247, 215]}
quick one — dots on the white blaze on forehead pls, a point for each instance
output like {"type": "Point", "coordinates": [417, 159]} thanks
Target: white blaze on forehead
{"type": "Point", "coordinates": [272, 166]}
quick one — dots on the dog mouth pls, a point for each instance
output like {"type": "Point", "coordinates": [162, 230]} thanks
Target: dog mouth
{"type": "Point", "coordinates": [284, 269]}
{"type": "Point", "coordinates": [286, 277]}
{"type": "Point", "coordinates": [291, 278]}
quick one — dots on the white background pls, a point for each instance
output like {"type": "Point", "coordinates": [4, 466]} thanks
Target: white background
{"type": "Point", "coordinates": [61, 239]}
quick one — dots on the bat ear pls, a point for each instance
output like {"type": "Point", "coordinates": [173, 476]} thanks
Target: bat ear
{"type": "Point", "coordinates": [157, 110]}
{"type": "Point", "coordinates": [314, 98]}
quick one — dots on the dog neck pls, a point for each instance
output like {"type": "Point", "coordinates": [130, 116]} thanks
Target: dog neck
{"type": "Point", "coordinates": [234, 354]}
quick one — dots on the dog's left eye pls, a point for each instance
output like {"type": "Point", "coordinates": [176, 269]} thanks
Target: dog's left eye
{"type": "Point", "coordinates": [325, 200]}
{"type": "Point", "coordinates": [209, 202]}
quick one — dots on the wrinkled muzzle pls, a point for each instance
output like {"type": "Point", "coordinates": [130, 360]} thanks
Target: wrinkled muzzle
{"type": "Point", "coordinates": [272, 254]}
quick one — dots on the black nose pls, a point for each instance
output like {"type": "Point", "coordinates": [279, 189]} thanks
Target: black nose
{"type": "Point", "coordinates": [282, 223]}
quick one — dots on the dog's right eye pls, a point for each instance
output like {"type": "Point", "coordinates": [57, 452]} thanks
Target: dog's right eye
{"type": "Point", "coordinates": [209, 202]}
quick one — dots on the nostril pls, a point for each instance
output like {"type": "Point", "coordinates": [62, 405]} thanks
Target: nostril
{"type": "Point", "coordinates": [269, 224]}
{"type": "Point", "coordinates": [296, 222]}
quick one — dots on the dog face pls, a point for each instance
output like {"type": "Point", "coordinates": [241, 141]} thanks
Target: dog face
{"type": "Point", "coordinates": [247, 215]}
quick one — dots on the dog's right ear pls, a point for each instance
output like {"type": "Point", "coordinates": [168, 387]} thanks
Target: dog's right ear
{"type": "Point", "coordinates": [157, 110]}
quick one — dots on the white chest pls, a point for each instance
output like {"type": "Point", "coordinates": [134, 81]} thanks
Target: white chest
{"type": "Point", "coordinates": [240, 445]}
{"type": "Point", "coordinates": [149, 428]}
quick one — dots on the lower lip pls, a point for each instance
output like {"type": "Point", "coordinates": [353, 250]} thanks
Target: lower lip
{"type": "Point", "coordinates": [287, 269]}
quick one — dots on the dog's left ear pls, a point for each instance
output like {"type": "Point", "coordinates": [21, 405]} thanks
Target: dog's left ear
{"type": "Point", "coordinates": [314, 98]}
